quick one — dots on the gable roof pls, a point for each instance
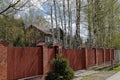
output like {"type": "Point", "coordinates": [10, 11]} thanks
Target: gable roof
{"type": "Point", "coordinates": [45, 30]}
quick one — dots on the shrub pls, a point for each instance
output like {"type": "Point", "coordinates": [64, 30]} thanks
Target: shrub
{"type": "Point", "coordinates": [60, 70]}
{"type": "Point", "coordinates": [18, 42]}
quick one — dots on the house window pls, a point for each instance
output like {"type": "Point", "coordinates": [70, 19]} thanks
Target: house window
{"type": "Point", "coordinates": [47, 39]}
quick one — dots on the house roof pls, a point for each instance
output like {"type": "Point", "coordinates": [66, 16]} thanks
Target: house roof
{"type": "Point", "coordinates": [45, 30]}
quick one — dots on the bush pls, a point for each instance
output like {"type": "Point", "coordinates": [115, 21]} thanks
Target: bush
{"type": "Point", "coordinates": [18, 42]}
{"type": "Point", "coordinates": [60, 70]}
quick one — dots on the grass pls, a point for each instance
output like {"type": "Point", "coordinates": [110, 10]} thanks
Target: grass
{"type": "Point", "coordinates": [108, 70]}
{"type": "Point", "coordinates": [116, 69]}
{"type": "Point", "coordinates": [101, 75]}
{"type": "Point", "coordinates": [88, 77]}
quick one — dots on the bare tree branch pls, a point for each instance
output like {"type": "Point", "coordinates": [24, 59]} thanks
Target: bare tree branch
{"type": "Point", "coordinates": [13, 6]}
{"type": "Point", "coordinates": [20, 8]}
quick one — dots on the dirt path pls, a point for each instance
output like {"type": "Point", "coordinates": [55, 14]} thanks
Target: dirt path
{"type": "Point", "coordinates": [88, 75]}
{"type": "Point", "coordinates": [101, 75]}
{"type": "Point", "coordinates": [114, 77]}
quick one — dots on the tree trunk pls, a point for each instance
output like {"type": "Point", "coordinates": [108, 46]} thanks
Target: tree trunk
{"type": "Point", "coordinates": [53, 37]}
{"type": "Point", "coordinates": [65, 29]}
{"type": "Point", "coordinates": [58, 32]}
{"type": "Point", "coordinates": [78, 8]}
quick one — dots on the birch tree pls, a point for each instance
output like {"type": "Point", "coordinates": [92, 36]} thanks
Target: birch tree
{"type": "Point", "coordinates": [65, 29]}
{"type": "Point", "coordinates": [78, 8]}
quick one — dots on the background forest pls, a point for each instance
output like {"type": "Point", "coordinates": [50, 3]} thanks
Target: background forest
{"type": "Point", "coordinates": [84, 22]}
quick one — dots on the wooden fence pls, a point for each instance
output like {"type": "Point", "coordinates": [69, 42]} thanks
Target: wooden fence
{"type": "Point", "coordinates": [19, 62]}
{"type": "Point", "coordinates": [117, 56]}
{"type": "Point", "coordinates": [23, 62]}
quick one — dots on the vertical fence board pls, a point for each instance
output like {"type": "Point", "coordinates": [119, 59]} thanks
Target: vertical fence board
{"type": "Point", "coordinates": [100, 56]}
{"type": "Point", "coordinates": [24, 62]}
{"type": "Point", "coordinates": [76, 58]}
{"type": "Point", "coordinates": [107, 55]}
{"type": "Point", "coordinates": [91, 57]}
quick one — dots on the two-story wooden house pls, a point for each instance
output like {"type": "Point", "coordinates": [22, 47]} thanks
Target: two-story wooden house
{"type": "Point", "coordinates": [35, 34]}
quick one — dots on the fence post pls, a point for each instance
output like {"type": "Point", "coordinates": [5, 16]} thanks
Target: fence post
{"type": "Point", "coordinates": [44, 57]}
{"type": "Point", "coordinates": [57, 48]}
{"type": "Point", "coordinates": [113, 57]}
{"type": "Point", "coordinates": [110, 54]}
{"type": "Point", "coordinates": [4, 63]}
{"type": "Point", "coordinates": [86, 56]}
{"type": "Point", "coordinates": [96, 56]}
{"type": "Point", "coordinates": [104, 56]}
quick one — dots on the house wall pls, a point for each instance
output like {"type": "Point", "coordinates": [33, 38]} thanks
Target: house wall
{"type": "Point", "coordinates": [33, 35]}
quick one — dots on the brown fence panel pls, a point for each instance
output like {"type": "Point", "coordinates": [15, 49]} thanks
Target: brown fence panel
{"type": "Point", "coordinates": [100, 53]}
{"type": "Point", "coordinates": [91, 57]}
{"type": "Point", "coordinates": [76, 58]}
{"type": "Point", "coordinates": [107, 55]}
{"type": "Point", "coordinates": [24, 62]}
{"type": "Point", "coordinates": [51, 55]}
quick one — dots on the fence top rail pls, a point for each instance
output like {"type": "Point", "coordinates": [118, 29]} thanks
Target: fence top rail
{"type": "Point", "coordinates": [25, 47]}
